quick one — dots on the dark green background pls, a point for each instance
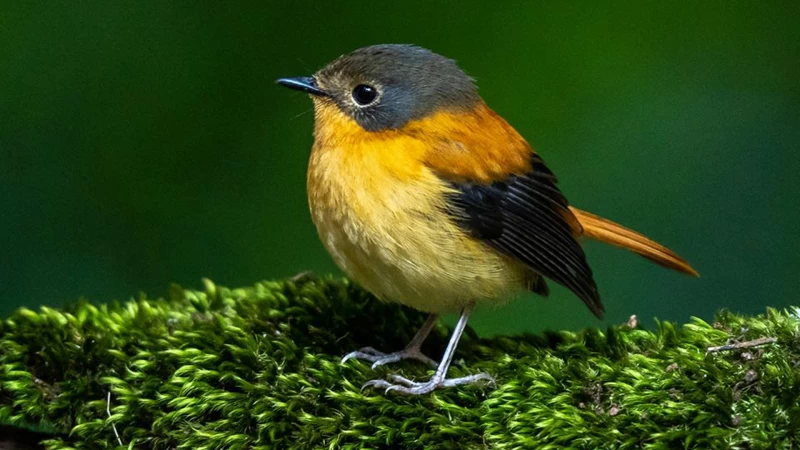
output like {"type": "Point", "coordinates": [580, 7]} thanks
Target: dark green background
{"type": "Point", "coordinates": [145, 142]}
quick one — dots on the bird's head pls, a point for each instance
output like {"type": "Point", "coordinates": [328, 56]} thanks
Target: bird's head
{"type": "Point", "coordinates": [383, 87]}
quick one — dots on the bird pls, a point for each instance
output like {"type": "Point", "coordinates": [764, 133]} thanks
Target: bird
{"type": "Point", "coordinates": [426, 197]}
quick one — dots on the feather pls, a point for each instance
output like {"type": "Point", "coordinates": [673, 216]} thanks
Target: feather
{"type": "Point", "coordinates": [604, 230]}
{"type": "Point", "coordinates": [526, 217]}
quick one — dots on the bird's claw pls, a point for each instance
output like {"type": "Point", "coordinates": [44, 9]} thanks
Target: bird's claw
{"type": "Point", "coordinates": [405, 386]}
{"type": "Point", "coordinates": [379, 358]}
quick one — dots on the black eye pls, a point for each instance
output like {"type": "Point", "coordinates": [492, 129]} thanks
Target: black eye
{"type": "Point", "coordinates": [364, 95]}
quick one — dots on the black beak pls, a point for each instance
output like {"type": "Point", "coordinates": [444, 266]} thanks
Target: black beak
{"type": "Point", "coordinates": [305, 84]}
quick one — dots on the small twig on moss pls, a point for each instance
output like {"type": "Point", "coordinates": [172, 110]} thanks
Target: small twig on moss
{"type": "Point", "coordinates": [114, 427]}
{"type": "Point", "coordinates": [302, 276]}
{"type": "Point", "coordinates": [745, 344]}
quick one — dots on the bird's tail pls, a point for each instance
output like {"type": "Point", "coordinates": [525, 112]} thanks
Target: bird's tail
{"type": "Point", "coordinates": [604, 230]}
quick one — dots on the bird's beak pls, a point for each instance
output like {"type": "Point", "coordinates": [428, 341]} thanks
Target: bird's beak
{"type": "Point", "coordinates": [305, 84]}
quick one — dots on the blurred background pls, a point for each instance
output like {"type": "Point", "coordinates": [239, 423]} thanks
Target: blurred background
{"type": "Point", "coordinates": [144, 143]}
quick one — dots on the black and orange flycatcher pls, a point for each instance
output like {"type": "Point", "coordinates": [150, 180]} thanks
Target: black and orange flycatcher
{"type": "Point", "coordinates": [426, 197]}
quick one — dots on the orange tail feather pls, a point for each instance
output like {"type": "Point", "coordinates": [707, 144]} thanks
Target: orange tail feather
{"type": "Point", "coordinates": [604, 230]}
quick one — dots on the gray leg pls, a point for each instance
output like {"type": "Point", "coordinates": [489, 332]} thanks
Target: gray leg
{"type": "Point", "coordinates": [412, 350]}
{"type": "Point", "coordinates": [438, 380]}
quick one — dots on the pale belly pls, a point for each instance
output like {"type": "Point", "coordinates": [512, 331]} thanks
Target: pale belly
{"type": "Point", "coordinates": [397, 242]}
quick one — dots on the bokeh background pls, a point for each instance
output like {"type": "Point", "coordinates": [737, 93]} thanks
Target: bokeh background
{"type": "Point", "coordinates": [144, 143]}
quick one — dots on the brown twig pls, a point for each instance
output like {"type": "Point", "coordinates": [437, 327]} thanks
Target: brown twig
{"type": "Point", "coordinates": [745, 344]}
{"type": "Point", "coordinates": [302, 276]}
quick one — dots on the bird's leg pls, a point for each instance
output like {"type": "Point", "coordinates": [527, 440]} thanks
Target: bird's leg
{"type": "Point", "coordinates": [412, 351]}
{"type": "Point", "coordinates": [438, 380]}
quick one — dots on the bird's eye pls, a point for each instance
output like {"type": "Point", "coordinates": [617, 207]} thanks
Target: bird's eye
{"type": "Point", "coordinates": [363, 94]}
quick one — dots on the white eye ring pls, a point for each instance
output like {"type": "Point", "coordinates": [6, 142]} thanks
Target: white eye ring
{"type": "Point", "coordinates": [365, 95]}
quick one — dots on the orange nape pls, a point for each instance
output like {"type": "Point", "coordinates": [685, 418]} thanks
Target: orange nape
{"type": "Point", "coordinates": [475, 145]}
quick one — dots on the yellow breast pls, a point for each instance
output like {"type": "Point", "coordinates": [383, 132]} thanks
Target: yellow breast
{"type": "Point", "coordinates": [381, 214]}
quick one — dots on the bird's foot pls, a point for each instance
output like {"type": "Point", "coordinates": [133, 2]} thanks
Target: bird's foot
{"type": "Point", "coordinates": [378, 358]}
{"type": "Point", "coordinates": [405, 386]}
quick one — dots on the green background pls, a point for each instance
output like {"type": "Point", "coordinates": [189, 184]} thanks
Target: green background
{"type": "Point", "coordinates": [145, 143]}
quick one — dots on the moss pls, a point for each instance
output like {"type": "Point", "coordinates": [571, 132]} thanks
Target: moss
{"type": "Point", "coordinates": [259, 368]}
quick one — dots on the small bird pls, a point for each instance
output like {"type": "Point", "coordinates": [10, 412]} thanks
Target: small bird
{"type": "Point", "coordinates": [426, 197]}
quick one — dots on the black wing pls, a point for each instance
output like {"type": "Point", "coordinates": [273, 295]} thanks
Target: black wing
{"type": "Point", "coordinates": [528, 218]}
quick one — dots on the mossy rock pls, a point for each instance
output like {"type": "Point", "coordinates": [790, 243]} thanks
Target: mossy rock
{"type": "Point", "coordinates": [258, 368]}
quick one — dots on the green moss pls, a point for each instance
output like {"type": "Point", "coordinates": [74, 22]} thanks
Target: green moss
{"type": "Point", "coordinates": [259, 368]}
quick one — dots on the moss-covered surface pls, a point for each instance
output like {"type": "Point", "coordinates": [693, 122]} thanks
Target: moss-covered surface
{"type": "Point", "coordinates": [259, 368]}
